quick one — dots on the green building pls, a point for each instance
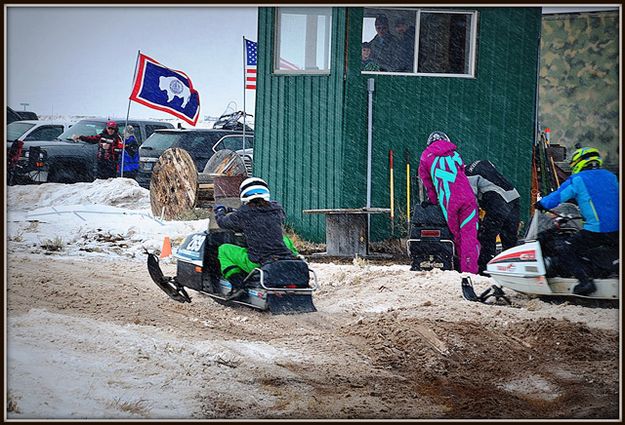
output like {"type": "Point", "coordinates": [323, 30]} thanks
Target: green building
{"type": "Point", "coordinates": [471, 72]}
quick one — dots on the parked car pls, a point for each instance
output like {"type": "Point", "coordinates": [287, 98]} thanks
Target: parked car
{"type": "Point", "coordinates": [13, 115]}
{"type": "Point", "coordinates": [200, 144]}
{"type": "Point", "coordinates": [28, 130]}
{"type": "Point", "coordinates": [63, 160]}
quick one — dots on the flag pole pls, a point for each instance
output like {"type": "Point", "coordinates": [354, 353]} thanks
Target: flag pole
{"type": "Point", "coordinates": [134, 78]}
{"type": "Point", "coordinates": [244, 88]}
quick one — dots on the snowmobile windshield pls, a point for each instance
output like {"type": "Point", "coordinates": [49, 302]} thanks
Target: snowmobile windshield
{"type": "Point", "coordinates": [565, 216]}
{"type": "Point", "coordinates": [83, 128]}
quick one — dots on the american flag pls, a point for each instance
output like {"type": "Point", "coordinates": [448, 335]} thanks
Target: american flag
{"type": "Point", "coordinates": [251, 55]}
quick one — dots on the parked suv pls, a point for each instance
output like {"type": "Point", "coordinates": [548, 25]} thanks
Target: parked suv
{"type": "Point", "coordinates": [28, 130]}
{"type": "Point", "coordinates": [63, 160]}
{"type": "Point", "coordinates": [200, 143]}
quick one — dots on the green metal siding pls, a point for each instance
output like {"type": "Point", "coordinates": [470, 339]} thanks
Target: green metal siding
{"type": "Point", "coordinates": [299, 131]}
{"type": "Point", "coordinates": [311, 131]}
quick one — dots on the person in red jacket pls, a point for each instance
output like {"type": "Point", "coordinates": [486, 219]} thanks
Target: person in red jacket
{"type": "Point", "coordinates": [109, 146]}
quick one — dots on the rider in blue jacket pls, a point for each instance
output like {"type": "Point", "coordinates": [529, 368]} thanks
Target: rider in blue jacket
{"type": "Point", "coordinates": [596, 192]}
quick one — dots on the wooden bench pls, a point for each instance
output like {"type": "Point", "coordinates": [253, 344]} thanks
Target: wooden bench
{"type": "Point", "coordinates": [347, 230]}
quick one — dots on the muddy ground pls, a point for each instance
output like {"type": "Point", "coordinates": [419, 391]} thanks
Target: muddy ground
{"type": "Point", "coordinates": [385, 343]}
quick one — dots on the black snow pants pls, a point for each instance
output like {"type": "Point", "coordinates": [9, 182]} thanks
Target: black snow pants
{"type": "Point", "coordinates": [573, 249]}
{"type": "Point", "coordinates": [106, 168]}
{"type": "Point", "coordinates": [501, 219]}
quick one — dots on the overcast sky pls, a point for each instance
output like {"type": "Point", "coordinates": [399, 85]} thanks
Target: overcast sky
{"type": "Point", "coordinates": [81, 60]}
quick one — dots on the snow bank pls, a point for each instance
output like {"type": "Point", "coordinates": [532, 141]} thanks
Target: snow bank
{"type": "Point", "coordinates": [103, 218]}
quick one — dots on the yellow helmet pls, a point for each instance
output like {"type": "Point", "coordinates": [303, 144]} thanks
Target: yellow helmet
{"type": "Point", "coordinates": [583, 157]}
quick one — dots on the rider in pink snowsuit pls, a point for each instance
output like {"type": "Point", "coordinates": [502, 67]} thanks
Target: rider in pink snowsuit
{"type": "Point", "coordinates": [442, 171]}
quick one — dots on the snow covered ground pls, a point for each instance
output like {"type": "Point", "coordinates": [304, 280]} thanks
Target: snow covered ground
{"type": "Point", "coordinates": [89, 336]}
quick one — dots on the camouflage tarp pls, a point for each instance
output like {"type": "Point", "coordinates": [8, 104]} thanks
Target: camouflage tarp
{"type": "Point", "coordinates": [579, 81]}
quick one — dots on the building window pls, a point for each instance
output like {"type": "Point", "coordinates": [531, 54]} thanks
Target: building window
{"type": "Point", "coordinates": [303, 37]}
{"type": "Point", "coordinates": [419, 42]}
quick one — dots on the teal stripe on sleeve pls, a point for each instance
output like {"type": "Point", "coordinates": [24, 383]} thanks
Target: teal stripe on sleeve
{"type": "Point", "coordinates": [466, 220]}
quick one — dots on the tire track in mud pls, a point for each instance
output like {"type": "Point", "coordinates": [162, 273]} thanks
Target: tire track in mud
{"type": "Point", "coordinates": [378, 365]}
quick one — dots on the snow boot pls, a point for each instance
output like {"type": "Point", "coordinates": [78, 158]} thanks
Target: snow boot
{"type": "Point", "coordinates": [238, 286]}
{"type": "Point", "coordinates": [585, 288]}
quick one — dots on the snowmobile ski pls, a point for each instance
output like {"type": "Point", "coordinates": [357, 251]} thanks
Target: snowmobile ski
{"type": "Point", "coordinates": [468, 292]}
{"type": "Point", "coordinates": [169, 285]}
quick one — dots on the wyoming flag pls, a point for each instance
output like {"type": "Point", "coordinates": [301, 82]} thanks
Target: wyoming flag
{"type": "Point", "coordinates": [165, 89]}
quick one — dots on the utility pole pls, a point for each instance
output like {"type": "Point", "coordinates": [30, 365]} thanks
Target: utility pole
{"type": "Point", "coordinates": [24, 105]}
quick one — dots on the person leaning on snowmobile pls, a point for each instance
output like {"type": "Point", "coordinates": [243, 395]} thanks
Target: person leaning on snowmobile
{"type": "Point", "coordinates": [442, 171]}
{"type": "Point", "coordinates": [261, 221]}
{"type": "Point", "coordinates": [596, 192]}
{"type": "Point", "coordinates": [501, 204]}
{"type": "Point", "coordinates": [109, 142]}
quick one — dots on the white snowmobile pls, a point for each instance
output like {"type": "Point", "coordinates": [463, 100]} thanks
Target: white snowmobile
{"type": "Point", "coordinates": [532, 267]}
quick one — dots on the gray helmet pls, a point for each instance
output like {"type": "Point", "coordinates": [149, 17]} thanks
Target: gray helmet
{"type": "Point", "coordinates": [437, 135]}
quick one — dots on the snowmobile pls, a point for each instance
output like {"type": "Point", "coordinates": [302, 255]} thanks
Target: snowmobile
{"type": "Point", "coordinates": [533, 267]}
{"type": "Point", "coordinates": [431, 243]}
{"type": "Point", "coordinates": [281, 287]}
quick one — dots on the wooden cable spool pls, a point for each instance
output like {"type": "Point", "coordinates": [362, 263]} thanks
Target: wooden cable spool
{"type": "Point", "coordinates": [176, 187]}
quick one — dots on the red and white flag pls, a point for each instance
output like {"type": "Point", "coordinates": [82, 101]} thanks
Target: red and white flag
{"type": "Point", "coordinates": [251, 58]}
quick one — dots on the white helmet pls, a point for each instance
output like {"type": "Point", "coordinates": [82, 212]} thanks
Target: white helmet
{"type": "Point", "coordinates": [252, 188]}
{"type": "Point", "coordinates": [437, 135]}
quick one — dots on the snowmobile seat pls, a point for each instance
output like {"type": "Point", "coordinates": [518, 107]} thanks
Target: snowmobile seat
{"type": "Point", "coordinates": [281, 274]}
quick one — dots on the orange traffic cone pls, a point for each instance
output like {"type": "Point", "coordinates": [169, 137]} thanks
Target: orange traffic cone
{"type": "Point", "coordinates": [166, 251]}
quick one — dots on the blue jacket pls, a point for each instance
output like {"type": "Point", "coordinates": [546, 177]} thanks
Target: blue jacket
{"type": "Point", "coordinates": [131, 155]}
{"type": "Point", "coordinates": [596, 193]}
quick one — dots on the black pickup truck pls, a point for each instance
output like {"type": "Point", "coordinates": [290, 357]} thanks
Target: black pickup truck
{"type": "Point", "coordinates": [63, 160]}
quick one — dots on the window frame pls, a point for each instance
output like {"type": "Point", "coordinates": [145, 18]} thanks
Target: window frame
{"type": "Point", "coordinates": [276, 51]}
{"type": "Point", "coordinates": [472, 53]}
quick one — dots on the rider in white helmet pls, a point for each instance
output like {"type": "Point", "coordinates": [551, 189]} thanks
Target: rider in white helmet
{"type": "Point", "coordinates": [261, 221]}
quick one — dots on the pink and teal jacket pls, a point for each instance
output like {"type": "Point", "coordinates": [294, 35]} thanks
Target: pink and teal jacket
{"type": "Point", "coordinates": [442, 171]}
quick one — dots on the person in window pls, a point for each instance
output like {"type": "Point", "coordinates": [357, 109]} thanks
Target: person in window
{"type": "Point", "coordinates": [596, 192]}
{"type": "Point", "coordinates": [500, 201]}
{"type": "Point", "coordinates": [109, 143]}
{"type": "Point", "coordinates": [367, 63]}
{"type": "Point", "coordinates": [405, 45]}
{"type": "Point", "coordinates": [442, 172]}
{"type": "Point", "coordinates": [131, 154]}
{"type": "Point", "coordinates": [261, 221]}
{"type": "Point", "coordinates": [383, 45]}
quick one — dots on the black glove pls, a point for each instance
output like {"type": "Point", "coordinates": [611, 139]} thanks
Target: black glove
{"type": "Point", "coordinates": [220, 210]}
{"type": "Point", "coordinates": [538, 206]}
{"type": "Point", "coordinates": [426, 203]}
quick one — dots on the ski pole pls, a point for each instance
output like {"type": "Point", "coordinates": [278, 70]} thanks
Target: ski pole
{"type": "Point", "coordinates": [390, 154]}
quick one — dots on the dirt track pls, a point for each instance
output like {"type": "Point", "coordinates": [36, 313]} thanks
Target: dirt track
{"type": "Point", "coordinates": [431, 355]}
